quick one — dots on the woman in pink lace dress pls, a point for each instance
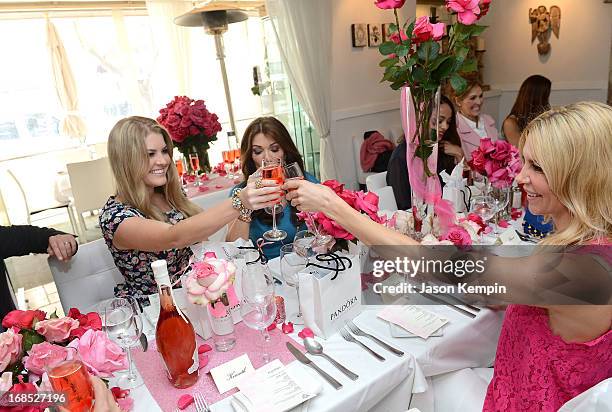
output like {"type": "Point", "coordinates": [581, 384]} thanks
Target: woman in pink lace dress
{"type": "Point", "coordinates": [546, 355]}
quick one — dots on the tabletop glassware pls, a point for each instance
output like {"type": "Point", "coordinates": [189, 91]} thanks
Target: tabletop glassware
{"type": "Point", "coordinates": [180, 169]}
{"type": "Point", "coordinates": [273, 170]}
{"type": "Point", "coordinates": [122, 322]}
{"type": "Point", "coordinates": [194, 160]}
{"type": "Point", "coordinates": [70, 377]}
{"type": "Point", "coordinates": [290, 266]}
{"type": "Point", "coordinates": [485, 207]}
{"type": "Point", "coordinates": [258, 307]}
{"type": "Point", "coordinates": [304, 243]}
{"type": "Point", "coordinates": [502, 197]}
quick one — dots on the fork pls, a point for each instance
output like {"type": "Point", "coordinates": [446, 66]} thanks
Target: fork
{"type": "Point", "coordinates": [200, 403]}
{"type": "Point", "coordinates": [356, 331]}
{"type": "Point", "coordinates": [350, 338]}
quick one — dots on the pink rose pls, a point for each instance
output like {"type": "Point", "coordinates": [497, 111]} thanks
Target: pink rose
{"type": "Point", "coordinates": [209, 280]}
{"type": "Point", "coordinates": [56, 330]}
{"type": "Point", "coordinates": [87, 321]}
{"type": "Point", "coordinates": [22, 319]}
{"type": "Point", "coordinates": [389, 4]}
{"type": "Point", "coordinates": [10, 348]}
{"type": "Point", "coordinates": [424, 30]}
{"type": "Point", "coordinates": [484, 8]}
{"type": "Point", "coordinates": [467, 10]}
{"type": "Point", "coordinates": [332, 228]}
{"type": "Point", "coordinates": [502, 150]}
{"type": "Point", "coordinates": [44, 354]}
{"type": "Point", "coordinates": [334, 185]}
{"type": "Point", "coordinates": [349, 197]}
{"type": "Point", "coordinates": [477, 163]}
{"type": "Point", "coordinates": [486, 145]}
{"type": "Point", "coordinates": [458, 235]}
{"type": "Point", "coordinates": [398, 37]}
{"type": "Point", "coordinates": [102, 356]}
{"type": "Point", "coordinates": [367, 202]}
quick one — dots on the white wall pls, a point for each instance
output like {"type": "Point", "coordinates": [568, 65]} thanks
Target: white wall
{"type": "Point", "coordinates": [579, 60]}
{"type": "Point", "coordinates": [359, 101]}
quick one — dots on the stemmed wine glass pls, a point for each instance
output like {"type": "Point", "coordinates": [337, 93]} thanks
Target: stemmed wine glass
{"type": "Point", "coordinates": [502, 197]}
{"type": "Point", "coordinates": [180, 169]}
{"type": "Point", "coordinates": [290, 265]}
{"type": "Point", "coordinates": [485, 207]}
{"type": "Point", "coordinates": [273, 170]}
{"type": "Point", "coordinates": [228, 162]}
{"type": "Point", "coordinates": [122, 323]}
{"type": "Point", "coordinates": [194, 160]}
{"type": "Point", "coordinates": [258, 307]}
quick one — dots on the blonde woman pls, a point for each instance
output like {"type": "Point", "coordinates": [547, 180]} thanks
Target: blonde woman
{"type": "Point", "coordinates": [546, 354]}
{"type": "Point", "coordinates": [150, 217]}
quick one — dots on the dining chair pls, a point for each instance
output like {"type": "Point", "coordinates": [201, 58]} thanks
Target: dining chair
{"type": "Point", "coordinates": [91, 183]}
{"type": "Point", "coordinates": [386, 198]}
{"type": "Point", "coordinates": [376, 181]}
{"type": "Point", "coordinates": [86, 279]}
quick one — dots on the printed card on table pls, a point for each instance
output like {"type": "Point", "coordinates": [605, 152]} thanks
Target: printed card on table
{"type": "Point", "coordinates": [227, 375]}
{"type": "Point", "coordinates": [414, 319]}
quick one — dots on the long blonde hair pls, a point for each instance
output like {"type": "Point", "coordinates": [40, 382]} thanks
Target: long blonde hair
{"type": "Point", "coordinates": [129, 161]}
{"type": "Point", "coordinates": [573, 146]}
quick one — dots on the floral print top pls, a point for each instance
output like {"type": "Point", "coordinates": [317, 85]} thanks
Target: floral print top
{"type": "Point", "coordinates": [135, 265]}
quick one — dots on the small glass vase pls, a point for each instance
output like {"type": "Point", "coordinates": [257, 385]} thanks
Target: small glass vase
{"type": "Point", "coordinates": [224, 337]}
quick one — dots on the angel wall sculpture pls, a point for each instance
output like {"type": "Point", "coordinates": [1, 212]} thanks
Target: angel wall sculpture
{"type": "Point", "coordinates": [542, 23]}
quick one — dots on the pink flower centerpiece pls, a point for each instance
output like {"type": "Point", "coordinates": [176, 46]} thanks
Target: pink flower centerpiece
{"type": "Point", "coordinates": [499, 161]}
{"type": "Point", "coordinates": [211, 283]}
{"type": "Point", "coordinates": [33, 341]}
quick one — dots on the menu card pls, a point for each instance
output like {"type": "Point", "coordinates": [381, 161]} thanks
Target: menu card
{"type": "Point", "coordinates": [271, 389]}
{"type": "Point", "coordinates": [414, 319]}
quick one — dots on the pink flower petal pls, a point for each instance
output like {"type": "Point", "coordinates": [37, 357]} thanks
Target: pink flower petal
{"type": "Point", "coordinates": [204, 348]}
{"type": "Point", "coordinates": [503, 223]}
{"type": "Point", "coordinates": [287, 327]}
{"type": "Point", "coordinates": [184, 401]}
{"type": "Point", "coordinates": [204, 359]}
{"type": "Point", "coordinates": [306, 333]}
{"type": "Point", "coordinates": [271, 327]}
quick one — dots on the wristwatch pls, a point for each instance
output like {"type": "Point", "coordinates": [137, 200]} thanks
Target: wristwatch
{"type": "Point", "coordinates": [245, 214]}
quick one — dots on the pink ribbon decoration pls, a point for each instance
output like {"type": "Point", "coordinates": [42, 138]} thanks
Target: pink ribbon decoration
{"type": "Point", "coordinates": [424, 187]}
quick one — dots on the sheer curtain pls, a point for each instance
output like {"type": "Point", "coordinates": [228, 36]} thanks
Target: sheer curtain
{"type": "Point", "coordinates": [303, 30]}
{"type": "Point", "coordinates": [71, 125]}
{"type": "Point", "coordinates": [173, 43]}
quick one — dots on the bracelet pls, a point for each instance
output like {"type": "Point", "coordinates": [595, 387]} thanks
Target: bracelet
{"type": "Point", "coordinates": [245, 214]}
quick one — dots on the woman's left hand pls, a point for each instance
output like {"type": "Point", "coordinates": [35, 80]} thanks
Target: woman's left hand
{"type": "Point", "coordinates": [309, 197]}
{"type": "Point", "coordinates": [452, 150]}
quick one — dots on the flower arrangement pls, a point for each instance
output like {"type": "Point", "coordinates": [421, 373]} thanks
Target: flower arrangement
{"type": "Point", "coordinates": [211, 283]}
{"type": "Point", "coordinates": [415, 58]}
{"type": "Point", "coordinates": [499, 161]}
{"type": "Point", "coordinates": [33, 341]}
{"type": "Point", "coordinates": [191, 126]}
{"type": "Point", "coordinates": [366, 203]}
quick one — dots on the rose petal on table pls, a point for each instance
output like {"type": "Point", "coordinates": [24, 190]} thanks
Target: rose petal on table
{"type": "Point", "coordinates": [503, 223]}
{"type": "Point", "coordinates": [271, 327]}
{"type": "Point", "coordinates": [287, 327]}
{"type": "Point", "coordinates": [184, 401]}
{"type": "Point", "coordinates": [119, 393]}
{"type": "Point", "coordinates": [204, 177]}
{"type": "Point", "coordinates": [203, 188]}
{"type": "Point", "coordinates": [516, 213]}
{"type": "Point", "coordinates": [204, 348]}
{"type": "Point", "coordinates": [204, 359]}
{"type": "Point", "coordinates": [306, 333]}
{"type": "Point", "coordinates": [488, 230]}
{"type": "Point", "coordinates": [218, 186]}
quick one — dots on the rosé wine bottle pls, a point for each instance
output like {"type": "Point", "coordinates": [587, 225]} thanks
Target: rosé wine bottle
{"type": "Point", "coordinates": [175, 337]}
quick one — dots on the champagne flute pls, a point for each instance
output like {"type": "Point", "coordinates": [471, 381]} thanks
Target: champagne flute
{"type": "Point", "coordinates": [485, 207]}
{"type": "Point", "coordinates": [258, 308]}
{"type": "Point", "coordinates": [71, 378]}
{"type": "Point", "coordinates": [502, 197]}
{"type": "Point", "coordinates": [123, 325]}
{"type": "Point", "coordinates": [290, 265]}
{"type": "Point", "coordinates": [273, 170]}
{"type": "Point", "coordinates": [194, 160]}
{"type": "Point", "coordinates": [180, 169]}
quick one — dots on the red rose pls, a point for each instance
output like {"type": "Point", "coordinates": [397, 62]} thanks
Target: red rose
{"type": "Point", "coordinates": [478, 161]}
{"type": "Point", "coordinates": [473, 217]}
{"type": "Point", "coordinates": [398, 37]}
{"type": "Point", "coordinates": [502, 151]}
{"type": "Point", "coordinates": [349, 197]}
{"type": "Point", "coordinates": [334, 185]}
{"type": "Point", "coordinates": [367, 202]}
{"type": "Point", "coordinates": [23, 388]}
{"type": "Point", "coordinates": [424, 30]}
{"type": "Point", "coordinates": [22, 319]}
{"type": "Point", "coordinates": [87, 321]}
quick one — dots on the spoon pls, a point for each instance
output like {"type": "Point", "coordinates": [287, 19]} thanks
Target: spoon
{"type": "Point", "coordinates": [315, 348]}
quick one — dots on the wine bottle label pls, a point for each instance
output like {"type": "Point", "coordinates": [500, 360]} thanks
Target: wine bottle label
{"type": "Point", "coordinates": [196, 362]}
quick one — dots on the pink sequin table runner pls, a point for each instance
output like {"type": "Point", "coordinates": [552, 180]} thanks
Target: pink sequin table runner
{"type": "Point", "coordinates": [152, 370]}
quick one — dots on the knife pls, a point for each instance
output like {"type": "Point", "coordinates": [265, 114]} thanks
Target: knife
{"type": "Point", "coordinates": [302, 358]}
{"type": "Point", "coordinates": [143, 338]}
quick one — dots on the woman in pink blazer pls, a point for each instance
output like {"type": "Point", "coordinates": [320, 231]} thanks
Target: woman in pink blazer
{"type": "Point", "coordinates": [472, 125]}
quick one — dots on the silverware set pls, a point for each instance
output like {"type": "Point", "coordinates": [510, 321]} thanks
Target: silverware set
{"type": "Point", "coordinates": [356, 331]}
{"type": "Point", "coordinates": [471, 313]}
{"type": "Point", "coordinates": [526, 238]}
{"type": "Point", "coordinates": [302, 358]}
{"type": "Point", "coordinates": [200, 403]}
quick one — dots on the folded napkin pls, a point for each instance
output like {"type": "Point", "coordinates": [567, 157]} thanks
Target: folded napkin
{"type": "Point", "coordinates": [454, 187]}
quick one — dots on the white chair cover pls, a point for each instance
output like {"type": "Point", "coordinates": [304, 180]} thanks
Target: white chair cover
{"type": "Point", "coordinates": [386, 199]}
{"type": "Point", "coordinates": [596, 399]}
{"type": "Point", "coordinates": [86, 279]}
{"type": "Point", "coordinates": [376, 181]}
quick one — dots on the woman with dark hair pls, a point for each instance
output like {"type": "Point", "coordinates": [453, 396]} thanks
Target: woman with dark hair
{"type": "Point", "coordinates": [449, 154]}
{"type": "Point", "coordinates": [267, 138]}
{"type": "Point", "coordinates": [532, 100]}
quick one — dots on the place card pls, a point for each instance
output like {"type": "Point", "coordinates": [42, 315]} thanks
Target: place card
{"type": "Point", "coordinates": [414, 319]}
{"type": "Point", "coordinates": [226, 376]}
{"type": "Point", "coordinates": [271, 388]}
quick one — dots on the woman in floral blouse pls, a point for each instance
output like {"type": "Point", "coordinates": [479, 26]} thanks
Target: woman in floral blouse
{"type": "Point", "coordinates": [150, 218]}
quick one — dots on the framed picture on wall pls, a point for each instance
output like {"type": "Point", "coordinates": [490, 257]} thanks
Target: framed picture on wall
{"type": "Point", "coordinates": [359, 35]}
{"type": "Point", "coordinates": [386, 33]}
{"type": "Point", "coordinates": [375, 35]}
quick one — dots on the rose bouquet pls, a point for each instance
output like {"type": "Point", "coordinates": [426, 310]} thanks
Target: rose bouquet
{"type": "Point", "coordinates": [211, 283]}
{"type": "Point", "coordinates": [366, 203]}
{"type": "Point", "coordinates": [32, 342]}
{"type": "Point", "coordinates": [191, 126]}
{"type": "Point", "coordinates": [499, 161]}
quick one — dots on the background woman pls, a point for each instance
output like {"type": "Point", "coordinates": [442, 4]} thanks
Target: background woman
{"type": "Point", "coordinates": [532, 100]}
{"type": "Point", "coordinates": [472, 124]}
{"type": "Point", "coordinates": [546, 355]}
{"type": "Point", "coordinates": [150, 217]}
{"type": "Point", "coordinates": [267, 138]}
{"type": "Point", "coordinates": [449, 154]}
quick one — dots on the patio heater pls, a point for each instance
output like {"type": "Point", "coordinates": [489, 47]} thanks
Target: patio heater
{"type": "Point", "coordinates": [215, 18]}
